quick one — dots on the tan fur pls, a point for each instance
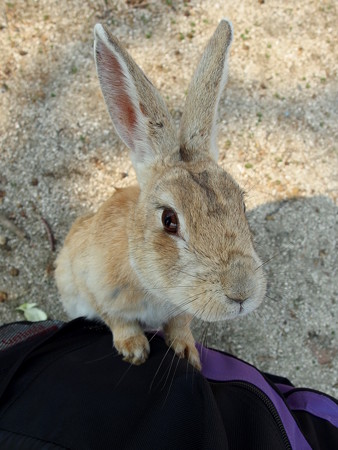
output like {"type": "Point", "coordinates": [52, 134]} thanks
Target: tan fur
{"type": "Point", "coordinates": [120, 264]}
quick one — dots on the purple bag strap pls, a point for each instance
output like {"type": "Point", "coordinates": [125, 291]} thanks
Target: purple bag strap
{"type": "Point", "coordinates": [221, 367]}
{"type": "Point", "coordinates": [316, 403]}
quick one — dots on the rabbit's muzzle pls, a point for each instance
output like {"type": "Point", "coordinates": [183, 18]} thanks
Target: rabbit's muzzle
{"type": "Point", "coordinates": [243, 283]}
{"type": "Point", "coordinates": [238, 281]}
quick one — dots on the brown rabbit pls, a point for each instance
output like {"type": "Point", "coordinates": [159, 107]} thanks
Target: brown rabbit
{"type": "Point", "coordinates": [179, 246]}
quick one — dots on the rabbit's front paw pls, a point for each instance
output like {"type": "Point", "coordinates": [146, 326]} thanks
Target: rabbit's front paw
{"type": "Point", "coordinates": [186, 349]}
{"type": "Point", "coordinates": [134, 349]}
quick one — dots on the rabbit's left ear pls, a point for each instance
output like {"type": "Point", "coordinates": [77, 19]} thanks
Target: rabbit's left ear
{"type": "Point", "coordinates": [198, 123]}
{"type": "Point", "coordinates": [137, 110]}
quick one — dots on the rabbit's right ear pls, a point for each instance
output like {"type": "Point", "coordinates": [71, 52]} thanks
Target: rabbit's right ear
{"type": "Point", "coordinates": [138, 112]}
{"type": "Point", "coordinates": [198, 123]}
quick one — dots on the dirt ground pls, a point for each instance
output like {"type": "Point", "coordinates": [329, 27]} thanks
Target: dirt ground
{"type": "Point", "coordinates": [278, 130]}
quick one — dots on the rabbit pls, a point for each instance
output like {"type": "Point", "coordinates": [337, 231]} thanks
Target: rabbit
{"type": "Point", "coordinates": [177, 246]}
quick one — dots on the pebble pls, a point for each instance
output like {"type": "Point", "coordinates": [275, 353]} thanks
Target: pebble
{"type": "Point", "coordinates": [3, 296]}
{"type": "Point", "coordinates": [14, 272]}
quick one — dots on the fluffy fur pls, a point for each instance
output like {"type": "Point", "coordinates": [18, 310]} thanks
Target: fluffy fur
{"type": "Point", "coordinates": [120, 264]}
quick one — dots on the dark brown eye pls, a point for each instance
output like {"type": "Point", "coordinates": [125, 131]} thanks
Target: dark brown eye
{"type": "Point", "coordinates": [170, 221]}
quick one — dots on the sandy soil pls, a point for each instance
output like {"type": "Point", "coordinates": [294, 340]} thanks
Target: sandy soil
{"type": "Point", "coordinates": [278, 129]}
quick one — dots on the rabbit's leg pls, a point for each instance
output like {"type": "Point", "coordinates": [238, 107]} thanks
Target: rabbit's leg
{"type": "Point", "coordinates": [179, 337]}
{"type": "Point", "coordinates": [129, 340]}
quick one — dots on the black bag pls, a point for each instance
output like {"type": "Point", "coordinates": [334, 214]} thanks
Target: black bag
{"type": "Point", "coordinates": [64, 386]}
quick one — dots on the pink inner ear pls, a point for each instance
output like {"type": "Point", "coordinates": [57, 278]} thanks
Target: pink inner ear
{"type": "Point", "coordinates": [115, 90]}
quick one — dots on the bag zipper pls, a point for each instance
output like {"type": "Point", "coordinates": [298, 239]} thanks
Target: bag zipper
{"type": "Point", "coordinates": [270, 406]}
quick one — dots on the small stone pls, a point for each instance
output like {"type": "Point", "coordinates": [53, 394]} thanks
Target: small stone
{"type": "Point", "coordinates": [34, 182]}
{"type": "Point", "coordinates": [293, 315]}
{"type": "Point", "coordinates": [50, 269]}
{"type": "Point", "coordinates": [3, 240]}
{"type": "Point", "coordinates": [14, 272]}
{"type": "Point", "coordinates": [4, 87]}
{"type": "Point", "coordinates": [3, 296]}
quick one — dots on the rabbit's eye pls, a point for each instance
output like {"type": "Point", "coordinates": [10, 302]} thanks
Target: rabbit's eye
{"type": "Point", "coordinates": [244, 207]}
{"type": "Point", "coordinates": [170, 221]}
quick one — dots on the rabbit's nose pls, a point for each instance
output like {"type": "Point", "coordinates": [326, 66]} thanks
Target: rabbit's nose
{"type": "Point", "coordinates": [240, 290]}
{"type": "Point", "coordinates": [238, 281]}
{"type": "Point", "coordinates": [238, 300]}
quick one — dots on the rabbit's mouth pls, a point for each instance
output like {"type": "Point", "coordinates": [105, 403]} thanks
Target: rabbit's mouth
{"type": "Point", "coordinates": [221, 307]}
{"type": "Point", "coordinates": [248, 305]}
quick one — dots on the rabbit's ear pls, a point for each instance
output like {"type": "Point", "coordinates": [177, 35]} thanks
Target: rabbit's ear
{"type": "Point", "coordinates": [198, 123]}
{"type": "Point", "coordinates": [138, 112]}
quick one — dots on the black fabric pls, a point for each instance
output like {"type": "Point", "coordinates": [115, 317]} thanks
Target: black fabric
{"type": "Point", "coordinates": [320, 434]}
{"type": "Point", "coordinates": [277, 379]}
{"type": "Point", "coordinates": [248, 423]}
{"type": "Point", "coordinates": [66, 388]}
{"type": "Point", "coordinates": [75, 392]}
{"type": "Point", "coordinates": [16, 341]}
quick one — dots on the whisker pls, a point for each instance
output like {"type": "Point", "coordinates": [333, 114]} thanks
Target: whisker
{"type": "Point", "coordinates": [101, 358]}
{"type": "Point", "coordinates": [271, 298]}
{"type": "Point", "coordinates": [186, 325]}
{"type": "Point", "coordinates": [187, 301]}
{"type": "Point", "coordinates": [154, 335]}
{"type": "Point", "coordinates": [155, 288]}
{"type": "Point", "coordinates": [196, 276]}
{"type": "Point", "coordinates": [204, 337]}
{"type": "Point", "coordinates": [268, 260]}
{"type": "Point", "coordinates": [165, 355]}
{"type": "Point", "coordinates": [172, 380]}
{"type": "Point", "coordinates": [123, 375]}
{"type": "Point", "coordinates": [168, 373]}
{"type": "Point", "coordinates": [250, 188]}
{"type": "Point", "coordinates": [158, 369]}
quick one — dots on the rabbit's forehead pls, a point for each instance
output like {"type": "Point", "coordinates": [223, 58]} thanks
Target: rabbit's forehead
{"type": "Point", "coordinates": [209, 190]}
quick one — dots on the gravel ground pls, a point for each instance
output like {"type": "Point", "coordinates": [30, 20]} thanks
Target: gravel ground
{"type": "Point", "coordinates": [278, 129]}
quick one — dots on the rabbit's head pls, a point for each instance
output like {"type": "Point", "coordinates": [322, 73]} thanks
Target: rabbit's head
{"type": "Point", "coordinates": [189, 239]}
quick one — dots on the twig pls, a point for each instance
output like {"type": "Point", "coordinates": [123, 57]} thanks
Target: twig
{"type": "Point", "coordinates": [50, 234]}
{"type": "Point", "coordinates": [12, 227]}
{"type": "Point", "coordinates": [139, 4]}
